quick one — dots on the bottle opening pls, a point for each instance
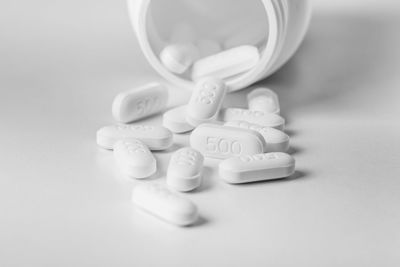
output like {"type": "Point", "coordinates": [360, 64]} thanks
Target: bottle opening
{"type": "Point", "coordinates": [182, 36]}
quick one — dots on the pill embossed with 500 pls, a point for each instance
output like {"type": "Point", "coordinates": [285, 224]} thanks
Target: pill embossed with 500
{"type": "Point", "coordinates": [223, 142]}
{"type": "Point", "coordinates": [140, 102]}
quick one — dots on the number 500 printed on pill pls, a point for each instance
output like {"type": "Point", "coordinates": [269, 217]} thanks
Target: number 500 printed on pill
{"type": "Point", "coordinates": [222, 142]}
{"type": "Point", "coordinates": [206, 101]}
{"type": "Point", "coordinates": [140, 103]}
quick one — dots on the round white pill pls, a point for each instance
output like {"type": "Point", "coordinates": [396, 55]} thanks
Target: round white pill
{"type": "Point", "coordinates": [185, 170]}
{"type": "Point", "coordinates": [264, 99]}
{"type": "Point", "coordinates": [177, 58]}
{"type": "Point", "coordinates": [134, 159]}
{"type": "Point", "coordinates": [140, 102]}
{"type": "Point", "coordinates": [222, 142]}
{"type": "Point", "coordinates": [160, 202]}
{"type": "Point", "coordinates": [206, 101]}
{"type": "Point", "coordinates": [226, 64]}
{"type": "Point", "coordinates": [175, 120]}
{"type": "Point", "coordinates": [253, 168]}
{"type": "Point", "coordinates": [276, 140]}
{"type": "Point", "coordinates": [155, 137]}
{"type": "Point", "coordinates": [253, 116]}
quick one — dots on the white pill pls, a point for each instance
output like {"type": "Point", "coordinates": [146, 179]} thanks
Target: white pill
{"type": "Point", "coordinates": [222, 142]}
{"type": "Point", "coordinates": [208, 47]}
{"type": "Point", "coordinates": [177, 58]}
{"type": "Point", "coordinates": [227, 63]}
{"type": "Point", "coordinates": [183, 32]}
{"type": "Point", "coordinates": [276, 140]}
{"type": "Point", "coordinates": [155, 137]}
{"type": "Point", "coordinates": [253, 168]}
{"type": "Point", "coordinates": [175, 120]}
{"type": "Point", "coordinates": [134, 159]}
{"type": "Point", "coordinates": [264, 99]}
{"type": "Point", "coordinates": [185, 170]}
{"type": "Point", "coordinates": [140, 102]}
{"type": "Point", "coordinates": [206, 101]}
{"type": "Point", "coordinates": [160, 202]}
{"type": "Point", "coordinates": [253, 116]}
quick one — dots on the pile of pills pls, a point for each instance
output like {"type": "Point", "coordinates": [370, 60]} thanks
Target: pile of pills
{"type": "Point", "coordinates": [249, 142]}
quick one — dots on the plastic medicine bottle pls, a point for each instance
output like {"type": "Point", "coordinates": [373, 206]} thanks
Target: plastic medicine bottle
{"type": "Point", "coordinates": [275, 27]}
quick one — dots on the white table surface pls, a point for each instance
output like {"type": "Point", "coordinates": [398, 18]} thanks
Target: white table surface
{"type": "Point", "coordinates": [64, 203]}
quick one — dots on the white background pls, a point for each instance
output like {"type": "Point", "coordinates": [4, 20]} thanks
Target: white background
{"type": "Point", "coordinates": [63, 202]}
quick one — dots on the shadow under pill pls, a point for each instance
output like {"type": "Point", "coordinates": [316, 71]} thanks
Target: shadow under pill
{"type": "Point", "coordinates": [206, 181]}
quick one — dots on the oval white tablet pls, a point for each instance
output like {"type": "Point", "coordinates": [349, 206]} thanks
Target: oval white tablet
{"type": "Point", "coordinates": [155, 137]}
{"type": "Point", "coordinates": [253, 116]}
{"type": "Point", "coordinates": [264, 99]}
{"type": "Point", "coordinates": [222, 142]}
{"type": "Point", "coordinates": [276, 140]}
{"type": "Point", "coordinates": [140, 103]}
{"type": "Point", "coordinates": [175, 120]}
{"type": "Point", "coordinates": [185, 169]}
{"type": "Point", "coordinates": [160, 202]}
{"type": "Point", "coordinates": [177, 58]}
{"type": "Point", "coordinates": [247, 169]}
{"type": "Point", "coordinates": [134, 159]}
{"type": "Point", "coordinates": [226, 64]}
{"type": "Point", "coordinates": [206, 101]}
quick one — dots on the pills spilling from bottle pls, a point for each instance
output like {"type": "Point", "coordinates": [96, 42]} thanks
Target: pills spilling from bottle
{"type": "Point", "coordinates": [249, 144]}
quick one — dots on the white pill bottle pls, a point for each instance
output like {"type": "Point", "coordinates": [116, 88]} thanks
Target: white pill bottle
{"type": "Point", "coordinates": [275, 27]}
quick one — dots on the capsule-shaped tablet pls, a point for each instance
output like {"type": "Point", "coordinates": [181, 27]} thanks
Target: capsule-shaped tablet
{"type": "Point", "coordinates": [253, 116]}
{"type": "Point", "coordinates": [175, 120]}
{"type": "Point", "coordinates": [185, 170]}
{"type": "Point", "coordinates": [227, 63]}
{"type": "Point", "coordinates": [160, 202]}
{"type": "Point", "coordinates": [155, 137]}
{"type": "Point", "coordinates": [140, 103]}
{"type": "Point", "coordinates": [264, 99]}
{"type": "Point", "coordinates": [134, 159]}
{"type": "Point", "coordinates": [177, 58]}
{"type": "Point", "coordinates": [253, 168]}
{"type": "Point", "coordinates": [276, 140]}
{"type": "Point", "coordinates": [206, 101]}
{"type": "Point", "coordinates": [208, 47]}
{"type": "Point", "coordinates": [222, 142]}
